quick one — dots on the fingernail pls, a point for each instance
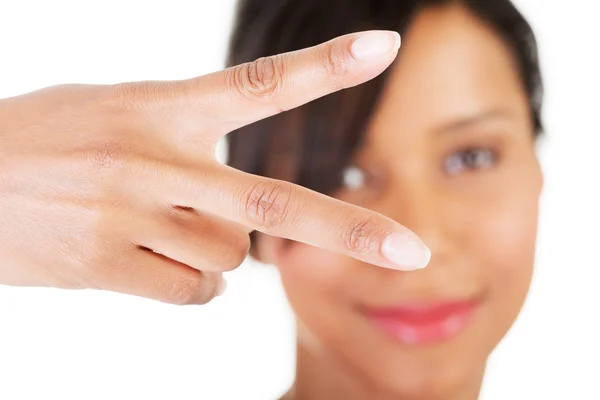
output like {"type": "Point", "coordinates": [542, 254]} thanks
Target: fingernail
{"type": "Point", "coordinates": [405, 251]}
{"type": "Point", "coordinates": [222, 287]}
{"type": "Point", "coordinates": [374, 45]}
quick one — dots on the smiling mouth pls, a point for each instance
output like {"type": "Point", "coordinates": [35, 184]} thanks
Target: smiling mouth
{"type": "Point", "coordinates": [419, 323]}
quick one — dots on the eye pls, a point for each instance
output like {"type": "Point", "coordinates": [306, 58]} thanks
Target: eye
{"type": "Point", "coordinates": [471, 159]}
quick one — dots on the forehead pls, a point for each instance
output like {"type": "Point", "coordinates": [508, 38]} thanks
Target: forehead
{"type": "Point", "coordinates": [452, 66]}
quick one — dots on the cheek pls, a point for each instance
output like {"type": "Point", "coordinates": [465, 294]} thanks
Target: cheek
{"type": "Point", "coordinates": [506, 242]}
{"type": "Point", "coordinates": [308, 272]}
{"type": "Point", "coordinates": [316, 283]}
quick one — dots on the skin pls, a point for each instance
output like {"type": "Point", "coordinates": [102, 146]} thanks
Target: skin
{"type": "Point", "coordinates": [454, 88]}
{"type": "Point", "coordinates": [116, 187]}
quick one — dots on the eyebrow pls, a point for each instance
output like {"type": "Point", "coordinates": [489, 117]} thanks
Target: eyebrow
{"type": "Point", "coordinates": [473, 120]}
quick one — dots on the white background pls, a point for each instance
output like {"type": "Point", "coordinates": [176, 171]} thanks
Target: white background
{"type": "Point", "coordinates": [91, 345]}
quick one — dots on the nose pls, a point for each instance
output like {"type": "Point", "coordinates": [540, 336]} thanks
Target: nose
{"type": "Point", "coordinates": [442, 218]}
{"type": "Point", "coordinates": [423, 208]}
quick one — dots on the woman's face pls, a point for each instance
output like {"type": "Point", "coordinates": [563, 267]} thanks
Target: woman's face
{"type": "Point", "coordinates": [449, 154]}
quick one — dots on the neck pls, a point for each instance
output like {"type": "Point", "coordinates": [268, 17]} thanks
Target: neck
{"type": "Point", "coordinates": [319, 376]}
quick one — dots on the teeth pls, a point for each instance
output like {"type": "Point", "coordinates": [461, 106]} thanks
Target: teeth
{"type": "Point", "coordinates": [452, 324]}
{"type": "Point", "coordinates": [408, 335]}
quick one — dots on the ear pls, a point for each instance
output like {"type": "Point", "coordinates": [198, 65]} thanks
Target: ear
{"type": "Point", "coordinates": [266, 249]}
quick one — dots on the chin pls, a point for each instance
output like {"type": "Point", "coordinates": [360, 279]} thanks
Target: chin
{"type": "Point", "coordinates": [427, 381]}
{"type": "Point", "coordinates": [429, 372]}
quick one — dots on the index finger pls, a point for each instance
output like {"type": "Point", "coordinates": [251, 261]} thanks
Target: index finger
{"type": "Point", "coordinates": [289, 211]}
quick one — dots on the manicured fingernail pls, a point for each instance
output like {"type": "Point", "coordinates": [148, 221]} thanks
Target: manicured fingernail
{"type": "Point", "coordinates": [222, 287]}
{"type": "Point", "coordinates": [373, 45]}
{"type": "Point", "coordinates": [405, 251]}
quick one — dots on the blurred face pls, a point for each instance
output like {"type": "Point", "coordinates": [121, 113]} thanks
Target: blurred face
{"type": "Point", "coordinates": [449, 154]}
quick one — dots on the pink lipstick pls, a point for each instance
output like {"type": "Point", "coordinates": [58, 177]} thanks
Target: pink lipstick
{"type": "Point", "coordinates": [423, 322]}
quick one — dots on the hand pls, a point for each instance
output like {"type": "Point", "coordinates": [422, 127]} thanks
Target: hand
{"type": "Point", "coordinates": [116, 187]}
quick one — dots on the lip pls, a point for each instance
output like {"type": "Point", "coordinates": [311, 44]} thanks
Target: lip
{"type": "Point", "coordinates": [419, 323]}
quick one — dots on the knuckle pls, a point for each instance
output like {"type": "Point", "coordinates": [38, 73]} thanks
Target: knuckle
{"type": "Point", "coordinates": [259, 80]}
{"type": "Point", "coordinates": [268, 204]}
{"type": "Point", "coordinates": [105, 156]}
{"type": "Point", "coordinates": [362, 236]}
{"type": "Point", "coordinates": [189, 290]}
{"type": "Point", "coordinates": [336, 61]}
{"type": "Point", "coordinates": [236, 254]}
{"type": "Point", "coordinates": [98, 265]}
{"type": "Point", "coordinates": [125, 95]}
{"type": "Point", "coordinates": [135, 97]}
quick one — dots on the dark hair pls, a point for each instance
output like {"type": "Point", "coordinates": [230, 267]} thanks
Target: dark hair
{"type": "Point", "coordinates": [310, 146]}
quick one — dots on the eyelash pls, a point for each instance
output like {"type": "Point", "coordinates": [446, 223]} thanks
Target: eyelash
{"type": "Point", "coordinates": [469, 159]}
